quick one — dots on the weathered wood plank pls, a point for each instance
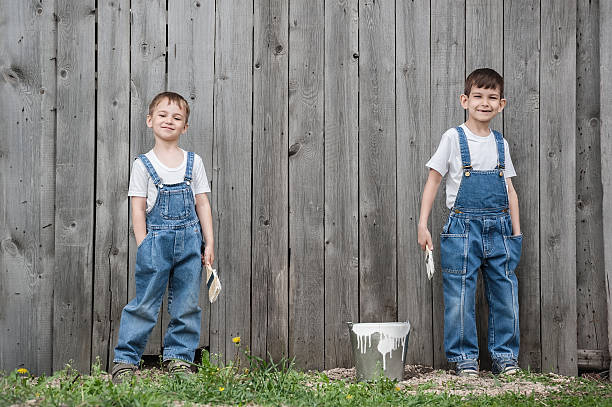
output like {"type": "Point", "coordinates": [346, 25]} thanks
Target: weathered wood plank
{"type": "Point", "coordinates": [413, 86]}
{"type": "Point", "coordinates": [231, 314]}
{"type": "Point", "coordinates": [270, 234]}
{"type": "Point", "coordinates": [592, 326]}
{"type": "Point", "coordinates": [447, 80]}
{"type": "Point", "coordinates": [521, 129]}
{"type": "Point", "coordinates": [27, 172]}
{"type": "Point", "coordinates": [306, 184]}
{"type": "Point", "coordinates": [377, 158]}
{"type": "Point", "coordinates": [112, 168]}
{"type": "Point", "coordinates": [605, 58]}
{"type": "Point", "coordinates": [341, 183]}
{"type": "Point", "coordinates": [484, 19]}
{"type": "Point", "coordinates": [148, 78]}
{"type": "Point", "coordinates": [593, 359]}
{"type": "Point", "coordinates": [74, 193]}
{"type": "Point", "coordinates": [191, 34]}
{"type": "Point", "coordinates": [558, 187]}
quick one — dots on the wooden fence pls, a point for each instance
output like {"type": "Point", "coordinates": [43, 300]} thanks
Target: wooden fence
{"type": "Point", "coordinates": [314, 120]}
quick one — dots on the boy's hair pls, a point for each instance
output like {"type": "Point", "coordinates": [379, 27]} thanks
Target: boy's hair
{"type": "Point", "coordinates": [172, 98]}
{"type": "Point", "coordinates": [485, 78]}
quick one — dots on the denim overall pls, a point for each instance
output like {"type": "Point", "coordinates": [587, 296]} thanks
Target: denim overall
{"type": "Point", "coordinates": [478, 235]}
{"type": "Point", "coordinates": [169, 256]}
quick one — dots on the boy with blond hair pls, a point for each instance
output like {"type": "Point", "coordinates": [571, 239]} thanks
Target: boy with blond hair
{"type": "Point", "coordinates": [172, 218]}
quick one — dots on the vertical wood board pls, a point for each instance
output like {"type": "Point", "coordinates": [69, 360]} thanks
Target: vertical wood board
{"type": "Point", "coordinates": [231, 313]}
{"type": "Point", "coordinates": [558, 187]}
{"type": "Point", "coordinates": [306, 184]}
{"type": "Point", "coordinates": [590, 271]}
{"type": "Point", "coordinates": [74, 193]}
{"type": "Point", "coordinates": [27, 90]}
{"type": "Point", "coordinates": [270, 227]}
{"type": "Point", "coordinates": [377, 163]}
{"type": "Point", "coordinates": [341, 179]}
{"type": "Point", "coordinates": [413, 112]}
{"type": "Point", "coordinates": [605, 59]}
{"type": "Point", "coordinates": [112, 169]}
{"type": "Point", "coordinates": [521, 130]}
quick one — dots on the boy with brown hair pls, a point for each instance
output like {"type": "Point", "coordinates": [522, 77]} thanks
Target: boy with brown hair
{"type": "Point", "coordinates": [482, 231]}
{"type": "Point", "coordinates": [172, 218]}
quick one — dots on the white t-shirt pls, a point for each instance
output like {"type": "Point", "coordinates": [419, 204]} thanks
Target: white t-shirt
{"type": "Point", "coordinates": [483, 154]}
{"type": "Point", "coordinates": [141, 183]}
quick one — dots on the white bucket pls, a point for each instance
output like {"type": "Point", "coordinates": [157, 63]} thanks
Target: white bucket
{"type": "Point", "coordinates": [379, 347]}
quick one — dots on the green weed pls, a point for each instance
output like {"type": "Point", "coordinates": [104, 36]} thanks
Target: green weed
{"type": "Point", "coordinates": [252, 380]}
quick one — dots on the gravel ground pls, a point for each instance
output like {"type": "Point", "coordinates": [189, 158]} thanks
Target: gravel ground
{"type": "Point", "coordinates": [442, 381]}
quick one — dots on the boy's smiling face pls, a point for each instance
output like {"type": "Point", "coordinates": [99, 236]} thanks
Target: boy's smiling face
{"type": "Point", "coordinates": [168, 120]}
{"type": "Point", "coordinates": [483, 104]}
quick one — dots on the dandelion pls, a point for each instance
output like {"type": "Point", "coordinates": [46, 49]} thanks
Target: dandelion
{"type": "Point", "coordinates": [246, 371]}
{"type": "Point", "coordinates": [348, 397]}
{"type": "Point", "coordinates": [397, 388]}
{"type": "Point", "coordinates": [22, 371]}
{"type": "Point", "coordinates": [221, 388]}
{"type": "Point", "coordinates": [236, 340]}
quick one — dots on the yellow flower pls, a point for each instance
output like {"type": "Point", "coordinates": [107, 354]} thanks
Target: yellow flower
{"type": "Point", "coordinates": [246, 371]}
{"type": "Point", "coordinates": [236, 340]}
{"type": "Point", "coordinates": [22, 371]}
{"type": "Point", "coordinates": [397, 388]}
{"type": "Point", "coordinates": [221, 388]}
{"type": "Point", "coordinates": [348, 397]}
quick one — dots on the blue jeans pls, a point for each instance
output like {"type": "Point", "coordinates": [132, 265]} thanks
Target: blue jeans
{"type": "Point", "coordinates": [472, 241]}
{"type": "Point", "coordinates": [165, 258]}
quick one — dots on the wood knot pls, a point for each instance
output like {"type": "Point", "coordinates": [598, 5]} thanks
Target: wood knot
{"type": "Point", "coordinates": [13, 74]}
{"type": "Point", "coordinates": [293, 150]}
{"type": "Point", "coordinates": [9, 246]}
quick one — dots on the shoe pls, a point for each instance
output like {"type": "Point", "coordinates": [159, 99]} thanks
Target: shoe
{"type": "Point", "coordinates": [505, 366]}
{"type": "Point", "coordinates": [122, 372]}
{"type": "Point", "coordinates": [179, 367]}
{"type": "Point", "coordinates": [467, 368]}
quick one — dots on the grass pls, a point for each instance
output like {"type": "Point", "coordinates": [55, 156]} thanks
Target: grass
{"type": "Point", "coordinates": [272, 384]}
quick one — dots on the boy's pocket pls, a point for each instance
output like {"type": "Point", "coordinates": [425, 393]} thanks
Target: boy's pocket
{"type": "Point", "coordinates": [514, 248]}
{"type": "Point", "coordinates": [147, 236]}
{"type": "Point", "coordinates": [453, 253]}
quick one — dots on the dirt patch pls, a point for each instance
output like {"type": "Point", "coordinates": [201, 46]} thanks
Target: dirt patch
{"type": "Point", "coordinates": [425, 379]}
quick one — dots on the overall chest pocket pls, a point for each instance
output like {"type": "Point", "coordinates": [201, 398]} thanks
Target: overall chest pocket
{"type": "Point", "coordinates": [175, 203]}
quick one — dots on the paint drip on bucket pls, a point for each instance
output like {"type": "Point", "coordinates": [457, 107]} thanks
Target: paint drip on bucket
{"type": "Point", "coordinates": [391, 337]}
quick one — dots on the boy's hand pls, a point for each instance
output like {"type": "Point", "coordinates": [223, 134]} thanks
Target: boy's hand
{"type": "Point", "coordinates": [424, 237]}
{"type": "Point", "coordinates": [208, 257]}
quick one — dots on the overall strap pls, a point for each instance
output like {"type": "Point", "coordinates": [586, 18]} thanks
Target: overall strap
{"type": "Point", "coordinates": [189, 169]}
{"type": "Point", "coordinates": [465, 151]}
{"type": "Point", "coordinates": [150, 169]}
{"type": "Point", "coordinates": [501, 155]}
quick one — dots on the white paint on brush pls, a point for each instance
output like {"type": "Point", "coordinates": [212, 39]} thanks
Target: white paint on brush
{"type": "Point", "coordinates": [392, 335]}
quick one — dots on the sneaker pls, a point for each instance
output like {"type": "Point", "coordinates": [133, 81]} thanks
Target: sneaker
{"type": "Point", "coordinates": [505, 366]}
{"type": "Point", "coordinates": [179, 367]}
{"type": "Point", "coordinates": [467, 368]}
{"type": "Point", "coordinates": [122, 372]}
